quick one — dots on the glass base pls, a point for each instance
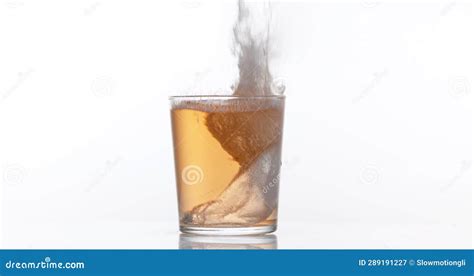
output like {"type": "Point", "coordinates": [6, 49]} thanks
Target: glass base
{"type": "Point", "coordinates": [190, 241]}
{"type": "Point", "coordinates": [228, 231]}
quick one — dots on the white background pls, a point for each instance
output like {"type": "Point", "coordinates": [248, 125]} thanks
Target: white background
{"type": "Point", "coordinates": [378, 126]}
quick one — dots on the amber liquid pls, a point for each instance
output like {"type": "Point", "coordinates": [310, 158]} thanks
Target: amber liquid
{"type": "Point", "coordinates": [213, 147]}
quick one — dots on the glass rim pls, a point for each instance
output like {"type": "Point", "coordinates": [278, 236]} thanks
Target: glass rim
{"type": "Point", "coordinates": [194, 97]}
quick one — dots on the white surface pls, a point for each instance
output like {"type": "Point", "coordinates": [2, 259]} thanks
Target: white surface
{"type": "Point", "coordinates": [378, 126]}
{"type": "Point", "coordinates": [114, 234]}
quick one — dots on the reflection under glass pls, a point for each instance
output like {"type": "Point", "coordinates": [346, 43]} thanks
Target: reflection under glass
{"type": "Point", "coordinates": [190, 241]}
